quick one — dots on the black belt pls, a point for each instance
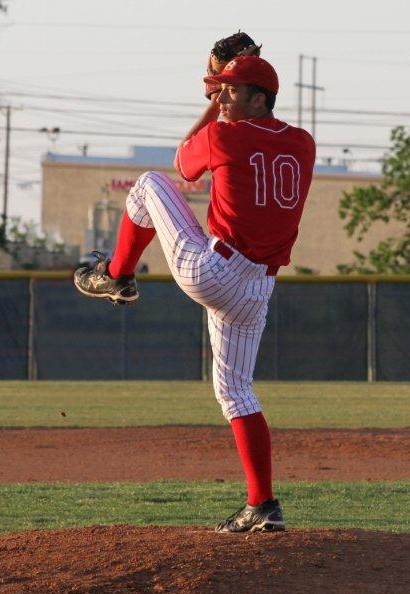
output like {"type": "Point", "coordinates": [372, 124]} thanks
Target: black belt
{"type": "Point", "coordinates": [226, 252]}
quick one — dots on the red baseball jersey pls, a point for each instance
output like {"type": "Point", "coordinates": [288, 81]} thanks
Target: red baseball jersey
{"type": "Point", "coordinates": [261, 173]}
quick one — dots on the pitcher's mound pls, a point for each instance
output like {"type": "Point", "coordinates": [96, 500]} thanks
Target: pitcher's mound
{"type": "Point", "coordinates": [127, 559]}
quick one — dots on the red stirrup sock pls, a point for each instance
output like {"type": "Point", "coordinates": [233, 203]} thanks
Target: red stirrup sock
{"type": "Point", "coordinates": [131, 242]}
{"type": "Point", "coordinates": [253, 442]}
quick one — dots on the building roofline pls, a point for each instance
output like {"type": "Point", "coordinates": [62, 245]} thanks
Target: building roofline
{"type": "Point", "coordinates": [144, 158]}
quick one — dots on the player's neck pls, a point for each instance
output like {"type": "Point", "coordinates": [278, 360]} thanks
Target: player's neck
{"type": "Point", "coordinates": [264, 115]}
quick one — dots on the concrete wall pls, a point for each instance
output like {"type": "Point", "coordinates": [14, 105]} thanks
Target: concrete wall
{"type": "Point", "coordinates": [70, 189]}
{"type": "Point", "coordinates": [322, 242]}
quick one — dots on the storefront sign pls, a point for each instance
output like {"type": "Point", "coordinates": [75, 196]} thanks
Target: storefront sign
{"type": "Point", "coordinates": [186, 187]}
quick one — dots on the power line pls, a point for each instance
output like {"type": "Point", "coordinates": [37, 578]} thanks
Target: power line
{"type": "Point", "coordinates": [99, 133]}
{"type": "Point", "coordinates": [353, 145]}
{"type": "Point", "coordinates": [178, 138]}
{"type": "Point", "coordinates": [180, 27]}
{"type": "Point", "coordinates": [108, 112]}
{"type": "Point", "coordinates": [354, 123]}
{"type": "Point", "coordinates": [76, 113]}
{"type": "Point", "coordinates": [366, 112]}
{"type": "Point", "coordinates": [102, 99]}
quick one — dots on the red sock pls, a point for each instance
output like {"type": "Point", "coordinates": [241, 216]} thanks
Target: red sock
{"type": "Point", "coordinates": [131, 242]}
{"type": "Point", "coordinates": [252, 439]}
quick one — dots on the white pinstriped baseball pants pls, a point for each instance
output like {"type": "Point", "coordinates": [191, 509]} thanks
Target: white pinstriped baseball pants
{"type": "Point", "coordinates": [235, 292]}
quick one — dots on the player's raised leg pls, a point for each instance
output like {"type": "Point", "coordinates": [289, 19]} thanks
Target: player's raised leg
{"type": "Point", "coordinates": [153, 205]}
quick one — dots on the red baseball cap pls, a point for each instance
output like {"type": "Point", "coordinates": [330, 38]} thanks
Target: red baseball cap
{"type": "Point", "coordinates": [250, 70]}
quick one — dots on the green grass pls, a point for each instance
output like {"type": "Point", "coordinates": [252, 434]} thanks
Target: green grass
{"type": "Point", "coordinates": [376, 505]}
{"type": "Point", "coordinates": [371, 506]}
{"type": "Point", "coordinates": [128, 403]}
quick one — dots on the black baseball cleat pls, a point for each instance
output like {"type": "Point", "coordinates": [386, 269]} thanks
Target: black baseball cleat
{"type": "Point", "coordinates": [265, 517]}
{"type": "Point", "coordinates": [94, 281]}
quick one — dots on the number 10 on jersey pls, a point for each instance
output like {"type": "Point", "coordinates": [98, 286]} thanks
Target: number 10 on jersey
{"type": "Point", "coordinates": [285, 176]}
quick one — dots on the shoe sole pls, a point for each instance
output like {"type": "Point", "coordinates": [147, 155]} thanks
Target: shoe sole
{"type": "Point", "coordinates": [268, 527]}
{"type": "Point", "coordinates": [120, 300]}
{"type": "Point", "coordinates": [265, 526]}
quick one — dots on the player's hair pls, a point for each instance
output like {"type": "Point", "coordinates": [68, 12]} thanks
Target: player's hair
{"type": "Point", "coordinates": [270, 97]}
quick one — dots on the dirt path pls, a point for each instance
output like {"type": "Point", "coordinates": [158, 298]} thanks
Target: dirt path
{"type": "Point", "coordinates": [180, 560]}
{"type": "Point", "coordinates": [129, 560]}
{"type": "Point", "coordinates": [149, 453]}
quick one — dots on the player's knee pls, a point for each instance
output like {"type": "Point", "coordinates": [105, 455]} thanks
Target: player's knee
{"type": "Point", "coordinates": [238, 403]}
{"type": "Point", "coordinates": [153, 178]}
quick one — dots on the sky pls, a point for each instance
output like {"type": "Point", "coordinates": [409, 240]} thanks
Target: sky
{"type": "Point", "coordinates": [112, 75]}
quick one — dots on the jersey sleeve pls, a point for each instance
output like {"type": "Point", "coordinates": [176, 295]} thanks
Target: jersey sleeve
{"type": "Point", "coordinates": [193, 155]}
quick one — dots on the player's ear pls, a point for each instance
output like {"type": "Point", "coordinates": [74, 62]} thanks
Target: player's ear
{"type": "Point", "coordinates": [259, 101]}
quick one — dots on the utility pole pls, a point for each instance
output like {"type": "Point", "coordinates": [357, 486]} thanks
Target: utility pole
{"type": "Point", "coordinates": [313, 86]}
{"type": "Point", "coordinates": [3, 8]}
{"type": "Point", "coordinates": [6, 167]}
{"type": "Point", "coordinates": [300, 93]}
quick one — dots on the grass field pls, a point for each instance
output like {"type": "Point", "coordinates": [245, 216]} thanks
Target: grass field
{"type": "Point", "coordinates": [377, 505]}
{"type": "Point", "coordinates": [331, 504]}
{"type": "Point", "coordinates": [131, 403]}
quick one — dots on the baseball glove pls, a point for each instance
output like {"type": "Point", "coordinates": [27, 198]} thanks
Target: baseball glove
{"type": "Point", "coordinates": [224, 50]}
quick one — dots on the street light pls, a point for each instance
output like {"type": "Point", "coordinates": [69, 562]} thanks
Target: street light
{"type": "Point", "coordinates": [52, 133]}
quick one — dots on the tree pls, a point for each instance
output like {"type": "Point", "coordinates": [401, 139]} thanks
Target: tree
{"type": "Point", "coordinates": [26, 245]}
{"type": "Point", "coordinates": [3, 239]}
{"type": "Point", "coordinates": [390, 201]}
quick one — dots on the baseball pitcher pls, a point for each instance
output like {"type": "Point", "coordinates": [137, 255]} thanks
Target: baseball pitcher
{"type": "Point", "coordinates": [261, 172]}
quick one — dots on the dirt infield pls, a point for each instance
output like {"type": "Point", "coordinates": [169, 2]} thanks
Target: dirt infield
{"type": "Point", "coordinates": [124, 559]}
{"type": "Point", "coordinates": [197, 453]}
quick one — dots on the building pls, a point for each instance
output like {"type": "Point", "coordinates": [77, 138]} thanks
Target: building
{"type": "Point", "coordinates": [84, 196]}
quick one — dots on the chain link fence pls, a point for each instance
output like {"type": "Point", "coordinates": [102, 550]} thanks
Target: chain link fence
{"type": "Point", "coordinates": [318, 328]}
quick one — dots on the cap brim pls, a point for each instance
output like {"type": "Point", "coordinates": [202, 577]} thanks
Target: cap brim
{"type": "Point", "coordinates": [222, 78]}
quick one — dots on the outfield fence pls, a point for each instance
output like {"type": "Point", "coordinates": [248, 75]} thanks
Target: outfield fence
{"type": "Point", "coordinates": [318, 328]}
